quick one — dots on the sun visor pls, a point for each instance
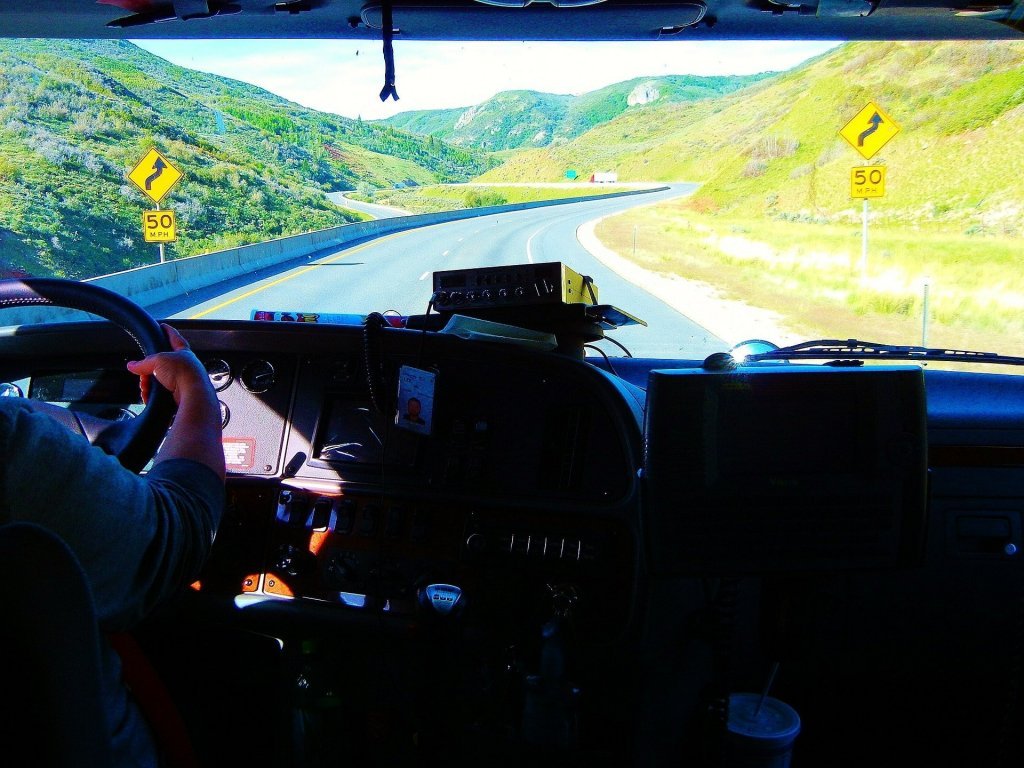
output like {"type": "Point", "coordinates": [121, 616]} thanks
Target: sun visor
{"type": "Point", "coordinates": [504, 20]}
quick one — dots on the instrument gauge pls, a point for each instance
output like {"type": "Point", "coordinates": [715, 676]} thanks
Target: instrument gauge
{"type": "Point", "coordinates": [10, 390]}
{"type": "Point", "coordinates": [219, 373]}
{"type": "Point", "coordinates": [258, 376]}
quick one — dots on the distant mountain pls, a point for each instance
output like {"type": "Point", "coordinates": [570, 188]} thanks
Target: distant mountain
{"type": "Point", "coordinates": [527, 119]}
{"type": "Point", "coordinates": [775, 147]}
{"type": "Point", "coordinates": [76, 116]}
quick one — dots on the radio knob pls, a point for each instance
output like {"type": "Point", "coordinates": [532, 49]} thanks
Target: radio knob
{"type": "Point", "coordinates": [503, 293]}
{"type": "Point", "coordinates": [519, 292]}
{"type": "Point", "coordinates": [457, 297]}
{"type": "Point", "coordinates": [487, 296]}
{"type": "Point", "coordinates": [476, 543]}
{"type": "Point", "coordinates": [471, 296]}
{"type": "Point", "coordinates": [442, 298]}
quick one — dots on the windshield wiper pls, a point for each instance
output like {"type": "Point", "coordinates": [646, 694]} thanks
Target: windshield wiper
{"type": "Point", "coordinates": [854, 349]}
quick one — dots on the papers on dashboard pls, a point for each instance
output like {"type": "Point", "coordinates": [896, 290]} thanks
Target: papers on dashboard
{"type": "Point", "coordinates": [474, 329]}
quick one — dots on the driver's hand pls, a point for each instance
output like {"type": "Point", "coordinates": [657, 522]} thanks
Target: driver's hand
{"type": "Point", "coordinates": [179, 371]}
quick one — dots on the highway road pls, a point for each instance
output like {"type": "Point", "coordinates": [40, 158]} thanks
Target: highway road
{"type": "Point", "coordinates": [377, 211]}
{"type": "Point", "coordinates": [393, 272]}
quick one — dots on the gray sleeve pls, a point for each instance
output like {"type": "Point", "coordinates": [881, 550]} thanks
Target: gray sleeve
{"type": "Point", "coordinates": [139, 538]}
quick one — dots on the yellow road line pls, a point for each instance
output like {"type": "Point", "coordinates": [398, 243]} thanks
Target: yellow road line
{"type": "Point", "coordinates": [292, 276]}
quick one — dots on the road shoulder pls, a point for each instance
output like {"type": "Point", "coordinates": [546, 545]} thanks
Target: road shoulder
{"type": "Point", "coordinates": [731, 320]}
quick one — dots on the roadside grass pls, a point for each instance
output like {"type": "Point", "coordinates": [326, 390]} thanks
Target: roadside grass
{"type": "Point", "coordinates": [811, 274]}
{"type": "Point", "coordinates": [446, 197]}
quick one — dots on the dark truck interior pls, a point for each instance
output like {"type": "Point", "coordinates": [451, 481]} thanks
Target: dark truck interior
{"type": "Point", "coordinates": [577, 561]}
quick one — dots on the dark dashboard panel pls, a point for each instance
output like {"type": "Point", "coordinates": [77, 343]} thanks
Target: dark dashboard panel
{"type": "Point", "coordinates": [526, 483]}
{"type": "Point", "coordinates": [525, 495]}
{"type": "Point", "coordinates": [525, 486]}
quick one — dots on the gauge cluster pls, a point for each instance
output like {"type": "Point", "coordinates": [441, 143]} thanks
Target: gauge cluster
{"type": "Point", "coordinates": [254, 393]}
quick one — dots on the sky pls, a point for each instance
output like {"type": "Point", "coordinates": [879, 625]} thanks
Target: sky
{"type": "Point", "coordinates": [346, 77]}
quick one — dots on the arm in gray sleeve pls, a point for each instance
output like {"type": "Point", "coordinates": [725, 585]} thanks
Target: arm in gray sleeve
{"type": "Point", "coordinates": [138, 538]}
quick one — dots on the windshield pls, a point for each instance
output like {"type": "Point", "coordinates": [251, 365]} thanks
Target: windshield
{"type": "Point", "coordinates": [717, 192]}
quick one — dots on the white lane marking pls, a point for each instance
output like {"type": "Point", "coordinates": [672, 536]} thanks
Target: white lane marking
{"type": "Point", "coordinates": [529, 243]}
{"type": "Point", "coordinates": [424, 276]}
{"type": "Point", "coordinates": [446, 253]}
{"type": "Point", "coordinates": [461, 239]}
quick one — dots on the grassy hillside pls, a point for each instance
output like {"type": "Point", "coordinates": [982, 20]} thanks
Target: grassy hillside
{"type": "Point", "coordinates": [528, 119]}
{"type": "Point", "coordinates": [77, 116]}
{"type": "Point", "coordinates": [774, 223]}
{"type": "Point", "coordinates": [508, 120]}
{"type": "Point", "coordinates": [774, 147]}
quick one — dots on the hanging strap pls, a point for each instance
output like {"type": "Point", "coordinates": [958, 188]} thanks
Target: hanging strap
{"type": "Point", "coordinates": [389, 54]}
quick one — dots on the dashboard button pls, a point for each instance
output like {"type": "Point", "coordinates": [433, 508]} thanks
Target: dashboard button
{"type": "Point", "coordinates": [521, 544]}
{"type": "Point", "coordinates": [346, 516]}
{"type": "Point", "coordinates": [321, 516]}
{"type": "Point", "coordinates": [552, 548]}
{"type": "Point", "coordinates": [368, 521]}
{"type": "Point", "coordinates": [571, 549]}
{"type": "Point", "coordinates": [476, 543]}
{"type": "Point", "coordinates": [395, 522]}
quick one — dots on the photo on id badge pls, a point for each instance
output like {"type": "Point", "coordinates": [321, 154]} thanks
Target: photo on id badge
{"type": "Point", "coordinates": [415, 399]}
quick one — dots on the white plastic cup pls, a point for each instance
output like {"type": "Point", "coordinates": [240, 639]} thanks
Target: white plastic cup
{"type": "Point", "coordinates": [764, 739]}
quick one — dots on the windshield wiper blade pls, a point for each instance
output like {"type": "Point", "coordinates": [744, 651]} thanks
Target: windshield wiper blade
{"type": "Point", "coordinates": [855, 349]}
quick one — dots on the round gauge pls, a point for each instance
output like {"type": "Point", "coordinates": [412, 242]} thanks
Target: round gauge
{"type": "Point", "coordinates": [225, 414]}
{"type": "Point", "coordinates": [10, 390]}
{"type": "Point", "coordinates": [258, 376]}
{"type": "Point", "coordinates": [219, 373]}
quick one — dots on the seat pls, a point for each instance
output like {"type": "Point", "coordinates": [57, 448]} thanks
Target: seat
{"type": "Point", "coordinates": [51, 674]}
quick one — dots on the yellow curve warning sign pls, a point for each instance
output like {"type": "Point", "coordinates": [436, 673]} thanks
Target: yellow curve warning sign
{"type": "Point", "coordinates": [870, 130]}
{"type": "Point", "coordinates": [154, 175]}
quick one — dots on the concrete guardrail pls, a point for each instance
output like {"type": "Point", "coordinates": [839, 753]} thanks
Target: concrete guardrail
{"type": "Point", "coordinates": [155, 283]}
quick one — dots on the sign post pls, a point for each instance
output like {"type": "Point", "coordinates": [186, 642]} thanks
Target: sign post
{"type": "Point", "coordinates": [154, 176]}
{"type": "Point", "coordinates": [867, 133]}
{"type": "Point", "coordinates": [866, 181]}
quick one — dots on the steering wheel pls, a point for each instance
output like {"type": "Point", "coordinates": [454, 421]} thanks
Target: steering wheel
{"type": "Point", "coordinates": [134, 441]}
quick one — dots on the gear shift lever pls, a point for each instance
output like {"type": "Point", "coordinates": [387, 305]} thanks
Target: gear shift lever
{"type": "Point", "coordinates": [550, 704]}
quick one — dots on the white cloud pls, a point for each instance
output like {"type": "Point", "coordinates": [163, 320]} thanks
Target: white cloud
{"type": "Point", "coordinates": [346, 77]}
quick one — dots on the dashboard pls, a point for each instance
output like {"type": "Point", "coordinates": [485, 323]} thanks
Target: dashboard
{"type": "Point", "coordinates": [446, 549]}
{"type": "Point", "coordinates": [522, 485]}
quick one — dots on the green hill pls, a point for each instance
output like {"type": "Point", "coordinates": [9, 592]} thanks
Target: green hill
{"type": "Point", "coordinates": [527, 119]}
{"type": "Point", "coordinates": [774, 224]}
{"type": "Point", "coordinates": [77, 116]}
{"type": "Point", "coordinates": [508, 120]}
{"type": "Point", "coordinates": [774, 147]}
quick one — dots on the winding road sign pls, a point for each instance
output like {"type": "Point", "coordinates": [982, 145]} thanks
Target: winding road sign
{"type": "Point", "coordinates": [154, 175]}
{"type": "Point", "coordinates": [870, 130]}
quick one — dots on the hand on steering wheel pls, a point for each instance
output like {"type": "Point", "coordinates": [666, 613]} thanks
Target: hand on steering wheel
{"type": "Point", "coordinates": [135, 441]}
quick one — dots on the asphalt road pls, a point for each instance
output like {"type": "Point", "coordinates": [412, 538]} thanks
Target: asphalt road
{"type": "Point", "coordinates": [377, 211]}
{"type": "Point", "coordinates": [394, 272]}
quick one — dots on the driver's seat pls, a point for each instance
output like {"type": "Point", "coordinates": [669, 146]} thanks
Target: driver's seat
{"type": "Point", "coordinates": [50, 672]}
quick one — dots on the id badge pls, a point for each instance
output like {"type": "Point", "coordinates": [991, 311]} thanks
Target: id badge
{"type": "Point", "coordinates": [415, 399]}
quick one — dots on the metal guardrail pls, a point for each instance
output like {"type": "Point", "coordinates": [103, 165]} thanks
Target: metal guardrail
{"type": "Point", "coordinates": [156, 283]}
